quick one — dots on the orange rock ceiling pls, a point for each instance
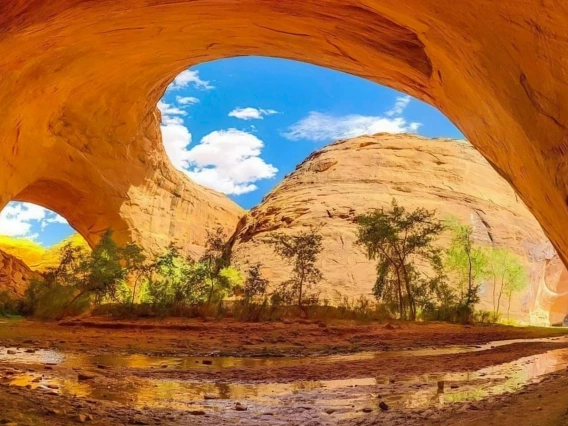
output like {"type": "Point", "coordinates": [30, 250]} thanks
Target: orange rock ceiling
{"type": "Point", "coordinates": [80, 81]}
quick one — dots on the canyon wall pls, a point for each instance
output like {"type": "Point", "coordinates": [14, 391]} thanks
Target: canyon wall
{"type": "Point", "coordinates": [81, 79]}
{"type": "Point", "coordinates": [34, 255]}
{"type": "Point", "coordinates": [348, 178]}
{"type": "Point", "coordinates": [15, 275]}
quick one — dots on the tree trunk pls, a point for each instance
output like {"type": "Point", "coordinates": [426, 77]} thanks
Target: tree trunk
{"type": "Point", "coordinates": [500, 294]}
{"type": "Point", "coordinates": [400, 300]}
{"type": "Point", "coordinates": [66, 310]}
{"type": "Point", "coordinates": [411, 303]}
{"type": "Point", "coordinates": [494, 294]}
{"type": "Point", "coordinates": [211, 280]}
{"type": "Point", "coordinates": [301, 290]}
{"type": "Point", "coordinates": [469, 278]}
{"type": "Point", "coordinates": [134, 289]}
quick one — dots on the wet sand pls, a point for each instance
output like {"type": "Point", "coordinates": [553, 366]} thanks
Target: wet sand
{"type": "Point", "coordinates": [196, 372]}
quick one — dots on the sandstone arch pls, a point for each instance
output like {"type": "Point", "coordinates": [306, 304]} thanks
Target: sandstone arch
{"type": "Point", "coordinates": [80, 81]}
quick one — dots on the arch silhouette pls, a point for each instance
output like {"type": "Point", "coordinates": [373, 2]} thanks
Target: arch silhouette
{"type": "Point", "coordinates": [81, 79]}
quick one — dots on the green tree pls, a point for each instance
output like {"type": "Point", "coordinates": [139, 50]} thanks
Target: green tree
{"type": "Point", "coordinates": [398, 239]}
{"type": "Point", "coordinates": [255, 285]}
{"type": "Point", "coordinates": [137, 267]}
{"type": "Point", "coordinates": [468, 263]}
{"type": "Point", "coordinates": [70, 270]}
{"type": "Point", "coordinates": [508, 275]}
{"type": "Point", "coordinates": [175, 280]}
{"type": "Point", "coordinates": [214, 259]}
{"type": "Point", "coordinates": [100, 272]}
{"type": "Point", "coordinates": [517, 282]}
{"type": "Point", "coordinates": [301, 251]}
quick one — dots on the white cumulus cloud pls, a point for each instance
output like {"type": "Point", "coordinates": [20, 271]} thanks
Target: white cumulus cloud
{"type": "Point", "coordinates": [190, 77]}
{"type": "Point", "coordinates": [18, 219]}
{"type": "Point", "coordinates": [187, 100]}
{"type": "Point", "coordinates": [399, 106]}
{"type": "Point", "coordinates": [251, 113]}
{"type": "Point", "coordinates": [167, 109]}
{"type": "Point", "coordinates": [229, 161]}
{"type": "Point", "coordinates": [175, 135]}
{"type": "Point", "coordinates": [317, 126]}
{"type": "Point", "coordinates": [226, 160]}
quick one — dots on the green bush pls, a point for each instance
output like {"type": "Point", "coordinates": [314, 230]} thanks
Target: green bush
{"type": "Point", "coordinates": [55, 302]}
{"type": "Point", "coordinates": [9, 305]}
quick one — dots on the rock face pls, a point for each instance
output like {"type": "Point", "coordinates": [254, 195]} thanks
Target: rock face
{"type": "Point", "coordinates": [133, 190]}
{"type": "Point", "coordinates": [348, 178]}
{"type": "Point", "coordinates": [15, 276]}
{"type": "Point", "coordinates": [35, 256]}
{"type": "Point", "coordinates": [81, 80]}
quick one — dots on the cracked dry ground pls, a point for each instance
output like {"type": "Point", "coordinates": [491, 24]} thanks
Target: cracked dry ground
{"type": "Point", "coordinates": [206, 372]}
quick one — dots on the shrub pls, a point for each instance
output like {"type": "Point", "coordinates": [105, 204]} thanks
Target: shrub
{"type": "Point", "coordinates": [9, 305]}
{"type": "Point", "coordinates": [301, 252]}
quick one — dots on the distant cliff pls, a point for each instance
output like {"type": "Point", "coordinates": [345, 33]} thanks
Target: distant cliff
{"type": "Point", "coordinates": [347, 178]}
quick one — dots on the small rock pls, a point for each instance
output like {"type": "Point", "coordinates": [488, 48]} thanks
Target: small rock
{"type": "Point", "coordinates": [138, 421]}
{"type": "Point", "coordinates": [454, 386]}
{"type": "Point", "coordinates": [11, 352]}
{"type": "Point", "coordinates": [383, 406]}
{"type": "Point", "coordinates": [329, 411]}
{"type": "Point", "coordinates": [85, 376]}
{"type": "Point", "coordinates": [240, 407]}
{"type": "Point", "coordinates": [210, 396]}
{"type": "Point", "coordinates": [206, 362]}
{"type": "Point", "coordinates": [367, 410]}
{"type": "Point", "coordinates": [53, 411]}
{"type": "Point", "coordinates": [81, 418]}
{"type": "Point", "coordinates": [196, 412]}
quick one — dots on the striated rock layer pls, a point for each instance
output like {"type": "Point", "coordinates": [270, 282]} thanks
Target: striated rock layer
{"type": "Point", "coordinates": [15, 276]}
{"type": "Point", "coordinates": [81, 80]}
{"type": "Point", "coordinates": [349, 177]}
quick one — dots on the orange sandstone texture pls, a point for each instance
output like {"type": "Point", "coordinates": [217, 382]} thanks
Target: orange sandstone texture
{"type": "Point", "coordinates": [350, 177]}
{"type": "Point", "coordinates": [81, 79]}
{"type": "Point", "coordinates": [15, 276]}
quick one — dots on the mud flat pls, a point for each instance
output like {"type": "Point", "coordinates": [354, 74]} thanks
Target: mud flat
{"type": "Point", "coordinates": [211, 373]}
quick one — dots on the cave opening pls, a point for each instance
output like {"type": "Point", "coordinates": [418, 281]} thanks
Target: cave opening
{"type": "Point", "coordinates": [80, 134]}
{"type": "Point", "coordinates": [242, 125]}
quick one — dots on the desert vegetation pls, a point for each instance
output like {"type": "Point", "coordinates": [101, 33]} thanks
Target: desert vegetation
{"type": "Point", "coordinates": [416, 277]}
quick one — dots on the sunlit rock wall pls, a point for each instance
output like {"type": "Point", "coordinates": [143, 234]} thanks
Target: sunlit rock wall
{"type": "Point", "coordinates": [347, 178]}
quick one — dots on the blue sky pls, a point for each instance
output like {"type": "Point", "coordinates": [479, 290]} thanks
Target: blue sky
{"type": "Point", "coordinates": [240, 125]}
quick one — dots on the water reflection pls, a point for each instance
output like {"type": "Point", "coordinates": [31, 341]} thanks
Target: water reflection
{"type": "Point", "coordinates": [191, 362]}
{"type": "Point", "coordinates": [414, 392]}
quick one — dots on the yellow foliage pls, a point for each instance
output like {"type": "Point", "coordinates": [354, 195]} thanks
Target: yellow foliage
{"type": "Point", "coordinates": [37, 257]}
